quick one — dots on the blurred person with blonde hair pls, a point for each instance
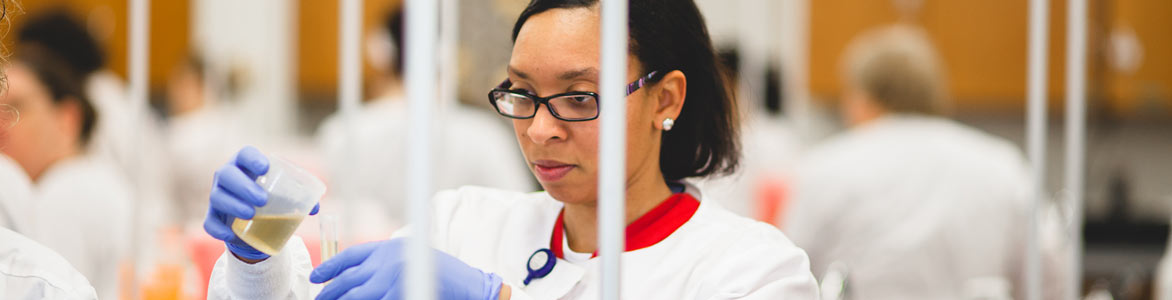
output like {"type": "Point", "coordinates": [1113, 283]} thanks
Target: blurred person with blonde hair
{"type": "Point", "coordinates": [912, 204]}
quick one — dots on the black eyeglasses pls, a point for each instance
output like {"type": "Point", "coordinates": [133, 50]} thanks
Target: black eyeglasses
{"type": "Point", "coordinates": [572, 106]}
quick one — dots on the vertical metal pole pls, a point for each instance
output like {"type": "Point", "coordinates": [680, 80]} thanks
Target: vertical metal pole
{"type": "Point", "coordinates": [752, 58]}
{"type": "Point", "coordinates": [795, 45]}
{"type": "Point", "coordinates": [1076, 54]}
{"type": "Point", "coordinates": [612, 144]}
{"type": "Point", "coordinates": [421, 30]}
{"type": "Point", "coordinates": [349, 101]}
{"type": "Point", "coordinates": [1036, 138]}
{"type": "Point", "coordinates": [349, 58]}
{"type": "Point", "coordinates": [449, 44]}
{"type": "Point", "coordinates": [139, 55]}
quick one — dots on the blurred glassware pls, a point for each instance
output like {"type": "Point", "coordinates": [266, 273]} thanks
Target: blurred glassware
{"type": "Point", "coordinates": [835, 283]}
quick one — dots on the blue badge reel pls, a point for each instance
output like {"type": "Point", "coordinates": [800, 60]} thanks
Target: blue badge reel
{"type": "Point", "coordinates": [540, 264]}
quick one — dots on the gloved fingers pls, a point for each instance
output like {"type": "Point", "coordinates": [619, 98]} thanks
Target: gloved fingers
{"type": "Point", "coordinates": [370, 290]}
{"type": "Point", "coordinates": [226, 204]}
{"type": "Point", "coordinates": [396, 292]}
{"type": "Point", "coordinates": [347, 258]}
{"type": "Point", "coordinates": [234, 181]}
{"type": "Point", "coordinates": [315, 208]}
{"type": "Point", "coordinates": [394, 287]}
{"type": "Point", "coordinates": [217, 228]}
{"type": "Point", "coordinates": [252, 162]}
{"type": "Point", "coordinates": [347, 281]}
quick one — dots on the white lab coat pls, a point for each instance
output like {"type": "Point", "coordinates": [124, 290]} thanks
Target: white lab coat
{"type": "Point", "coordinates": [30, 271]}
{"type": "Point", "coordinates": [714, 255]}
{"type": "Point", "coordinates": [82, 211]}
{"type": "Point", "coordinates": [916, 208]}
{"type": "Point", "coordinates": [472, 148]}
{"type": "Point", "coordinates": [15, 195]}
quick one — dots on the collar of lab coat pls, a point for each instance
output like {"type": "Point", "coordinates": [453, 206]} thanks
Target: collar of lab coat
{"type": "Point", "coordinates": [566, 275]}
{"type": "Point", "coordinates": [650, 228]}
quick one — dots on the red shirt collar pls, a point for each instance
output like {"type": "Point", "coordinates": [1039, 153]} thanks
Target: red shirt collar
{"type": "Point", "coordinates": [651, 228]}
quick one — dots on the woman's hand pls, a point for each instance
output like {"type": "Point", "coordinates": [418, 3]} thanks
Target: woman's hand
{"type": "Point", "coordinates": [234, 196]}
{"type": "Point", "coordinates": [376, 271]}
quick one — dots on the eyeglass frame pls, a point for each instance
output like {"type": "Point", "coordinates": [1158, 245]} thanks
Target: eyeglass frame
{"type": "Point", "coordinates": [539, 101]}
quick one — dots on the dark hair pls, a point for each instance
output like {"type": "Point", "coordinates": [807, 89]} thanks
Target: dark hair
{"type": "Point", "coordinates": [58, 31]}
{"type": "Point", "coordinates": [61, 83]}
{"type": "Point", "coordinates": [670, 35]}
{"type": "Point", "coordinates": [393, 23]}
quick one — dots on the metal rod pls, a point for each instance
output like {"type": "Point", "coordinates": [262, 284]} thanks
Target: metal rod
{"type": "Point", "coordinates": [349, 57]}
{"type": "Point", "coordinates": [421, 30]}
{"type": "Point", "coordinates": [139, 56]}
{"type": "Point", "coordinates": [795, 44]}
{"type": "Point", "coordinates": [349, 102]}
{"type": "Point", "coordinates": [612, 144]}
{"type": "Point", "coordinates": [752, 60]}
{"type": "Point", "coordinates": [1076, 54]}
{"type": "Point", "coordinates": [1036, 138]}
{"type": "Point", "coordinates": [449, 44]}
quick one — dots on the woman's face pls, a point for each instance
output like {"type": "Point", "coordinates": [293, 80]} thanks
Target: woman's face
{"type": "Point", "coordinates": [41, 136]}
{"type": "Point", "coordinates": [557, 51]}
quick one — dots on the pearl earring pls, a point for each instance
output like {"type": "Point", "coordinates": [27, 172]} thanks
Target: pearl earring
{"type": "Point", "coordinates": [668, 123]}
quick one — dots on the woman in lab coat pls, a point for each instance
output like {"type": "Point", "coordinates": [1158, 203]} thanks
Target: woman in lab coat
{"type": "Point", "coordinates": [680, 245]}
{"type": "Point", "coordinates": [80, 206]}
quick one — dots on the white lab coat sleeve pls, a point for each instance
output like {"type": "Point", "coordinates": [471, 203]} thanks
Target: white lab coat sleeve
{"type": "Point", "coordinates": [282, 276]}
{"type": "Point", "coordinates": [765, 265]}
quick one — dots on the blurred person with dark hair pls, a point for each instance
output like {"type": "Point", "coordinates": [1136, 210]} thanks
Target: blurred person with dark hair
{"type": "Point", "coordinates": [28, 270]}
{"type": "Point", "coordinates": [377, 138]}
{"type": "Point", "coordinates": [80, 204]}
{"type": "Point", "coordinates": [914, 205]}
{"type": "Point", "coordinates": [125, 133]}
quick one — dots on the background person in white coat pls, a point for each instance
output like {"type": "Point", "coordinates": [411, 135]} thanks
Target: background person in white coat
{"type": "Point", "coordinates": [680, 244]}
{"type": "Point", "coordinates": [81, 206]}
{"type": "Point", "coordinates": [27, 270]}
{"type": "Point", "coordinates": [126, 136]}
{"type": "Point", "coordinates": [915, 206]}
{"type": "Point", "coordinates": [367, 154]}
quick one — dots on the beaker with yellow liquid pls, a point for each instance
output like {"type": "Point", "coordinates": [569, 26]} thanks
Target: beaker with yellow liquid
{"type": "Point", "coordinates": [292, 193]}
{"type": "Point", "coordinates": [267, 233]}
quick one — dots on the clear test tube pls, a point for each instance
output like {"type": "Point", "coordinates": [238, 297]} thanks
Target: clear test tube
{"type": "Point", "coordinates": [329, 236]}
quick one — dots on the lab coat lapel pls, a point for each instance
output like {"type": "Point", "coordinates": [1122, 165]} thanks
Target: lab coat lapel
{"type": "Point", "coordinates": [558, 283]}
